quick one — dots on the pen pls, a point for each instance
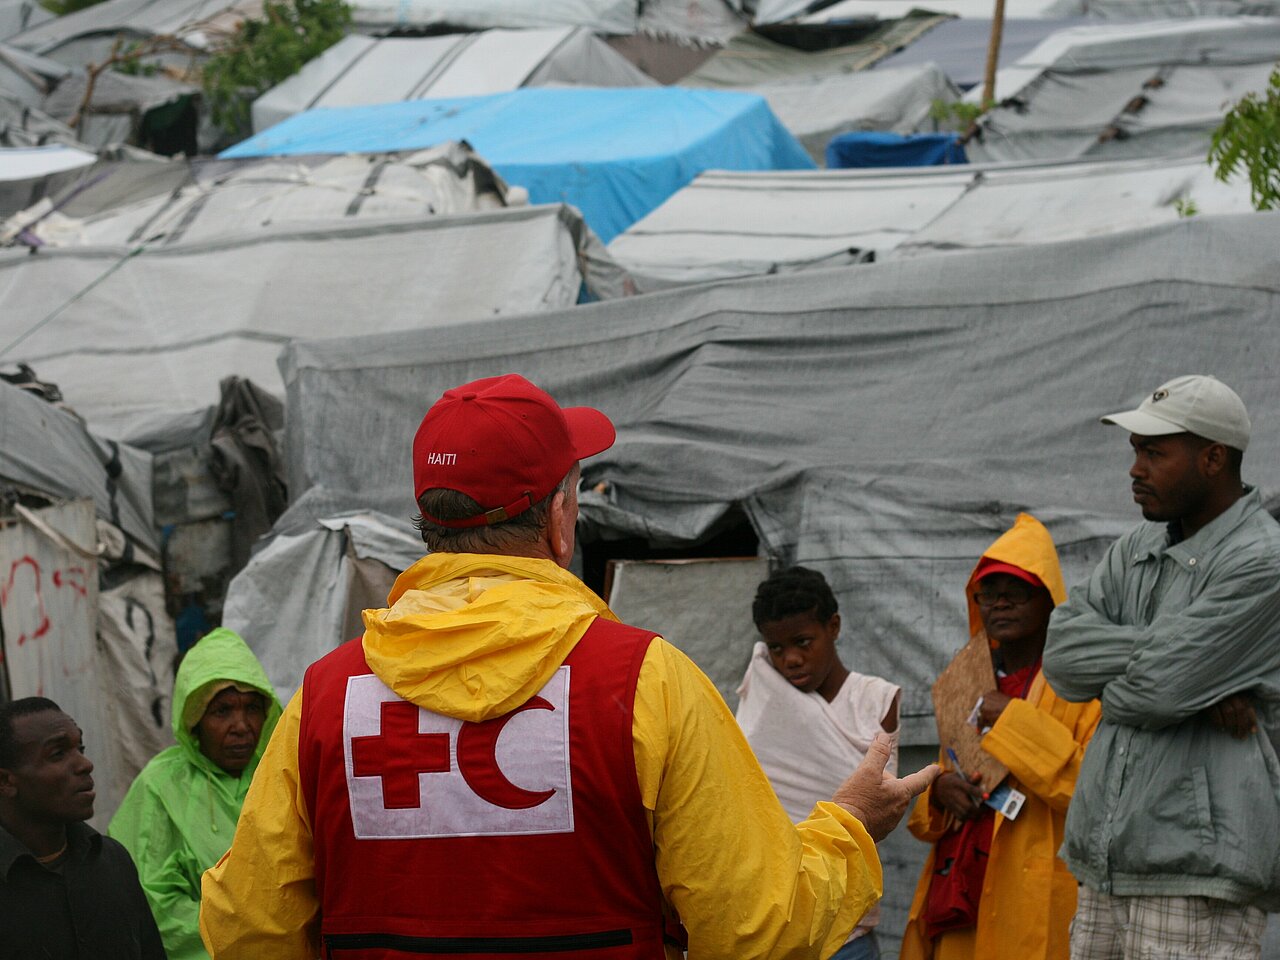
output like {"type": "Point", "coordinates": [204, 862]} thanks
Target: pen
{"type": "Point", "coordinates": [955, 762]}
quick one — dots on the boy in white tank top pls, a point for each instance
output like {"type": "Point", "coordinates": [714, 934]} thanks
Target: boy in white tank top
{"type": "Point", "coordinates": [809, 718]}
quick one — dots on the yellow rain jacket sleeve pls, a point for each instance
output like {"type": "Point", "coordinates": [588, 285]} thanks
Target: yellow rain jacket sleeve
{"type": "Point", "coordinates": [1028, 895]}
{"type": "Point", "coordinates": [744, 880]}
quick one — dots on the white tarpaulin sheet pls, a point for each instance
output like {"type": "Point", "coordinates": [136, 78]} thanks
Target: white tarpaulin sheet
{"type": "Point", "coordinates": [700, 20]}
{"type": "Point", "coordinates": [727, 225]}
{"type": "Point", "coordinates": [31, 163]}
{"type": "Point", "coordinates": [50, 451]}
{"type": "Point", "coordinates": [361, 70]}
{"type": "Point", "coordinates": [134, 329]}
{"type": "Point", "coordinates": [87, 35]}
{"type": "Point", "coordinates": [222, 198]}
{"type": "Point", "coordinates": [852, 422]}
{"type": "Point", "coordinates": [819, 109]}
{"type": "Point", "coordinates": [1125, 90]}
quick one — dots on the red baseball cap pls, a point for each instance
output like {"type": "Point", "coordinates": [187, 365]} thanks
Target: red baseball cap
{"type": "Point", "coordinates": [504, 443]}
{"type": "Point", "coordinates": [987, 567]}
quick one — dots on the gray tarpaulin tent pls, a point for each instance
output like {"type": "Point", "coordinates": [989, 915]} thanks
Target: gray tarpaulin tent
{"type": "Point", "coordinates": [885, 431]}
{"type": "Point", "coordinates": [87, 35]}
{"type": "Point", "coordinates": [28, 173]}
{"type": "Point", "coordinates": [1121, 90]}
{"type": "Point", "coordinates": [727, 225]}
{"type": "Point", "coordinates": [959, 47]}
{"type": "Point", "coordinates": [891, 9]}
{"type": "Point", "coordinates": [817, 109]}
{"type": "Point", "coordinates": [361, 70]}
{"type": "Point", "coordinates": [219, 198]}
{"type": "Point", "coordinates": [109, 666]}
{"type": "Point", "coordinates": [701, 21]}
{"type": "Point", "coordinates": [26, 77]}
{"type": "Point", "coordinates": [19, 15]}
{"type": "Point", "coordinates": [134, 331]}
{"type": "Point", "coordinates": [749, 59]}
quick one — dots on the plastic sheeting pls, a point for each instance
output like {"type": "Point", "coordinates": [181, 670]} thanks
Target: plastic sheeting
{"type": "Point", "coordinates": [959, 47]}
{"type": "Point", "coordinates": [361, 70]}
{"type": "Point", "coordinates": [52, 452]}
{"type": "Point", "coordinates": [19, 15]}
{"type": "Point", "coordinates": [703, 21]}
{"type": "Point", "coordinates": [1126, 90]}
{"type": "Point", "coordinates": [301, 594]}
{"type": "Point", "coordinates": [750, 59]}
{"type": "Point", "coordinates": [968, 9]}
{"type": "Point", "coordinates": [733, 225]}
{"type": "Point", "coordinates": [87, 35]}
{"type": "Point", "coordinates": [131, 330]}
{"type": "Point", "coordinates": [29, 173]}
{"type": "Point", "coordinates": [613, 154]}
{"type": "Point", "coordinates": [884, 431]}
{"type": "Point", "coordinates": [895, 100]}
{"type": "Point", "coordinates": [222, 198]}
{"type": "Point", "coordinates": [881, 149]}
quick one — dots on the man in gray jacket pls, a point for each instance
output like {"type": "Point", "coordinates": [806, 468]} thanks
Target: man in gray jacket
{"type": "Point", "coordinates": [1174, 831]}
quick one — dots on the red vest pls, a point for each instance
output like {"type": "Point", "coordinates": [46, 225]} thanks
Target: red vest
{"type": "Point", "coordinates": [522, 834]}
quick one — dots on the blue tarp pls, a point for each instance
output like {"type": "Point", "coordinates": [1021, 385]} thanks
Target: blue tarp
{"type": "Point", "coordinates": [615, 154]}
{"type": "Point", "coordinates": [852, 150]}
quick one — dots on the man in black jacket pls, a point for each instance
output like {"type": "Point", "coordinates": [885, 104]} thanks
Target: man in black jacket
{"type": "Point", "coordinates": [65, 891]}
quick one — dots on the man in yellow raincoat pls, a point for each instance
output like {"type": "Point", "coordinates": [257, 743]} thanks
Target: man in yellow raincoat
{"type": "Point", "coordinates": [1027, 896]}
{"type": "Point", "coordinates": [433, 787]}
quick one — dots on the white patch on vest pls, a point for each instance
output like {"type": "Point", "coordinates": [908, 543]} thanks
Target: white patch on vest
{"type": "Point", "coordinates": [530, 761]}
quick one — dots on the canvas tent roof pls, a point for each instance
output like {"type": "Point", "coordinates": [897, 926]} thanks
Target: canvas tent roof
{"type": "Point", "coordinates": [897, 100]}
{"type": "Point", "coordinates": [614, 154]}
{"type": "Point", "coordinates": [19, 15]}
{"type": "Point", "coordinates": [29, 173]}
{"type": "Point", "coordinates": [697, 20]}
{"type": "Point", "coordinates": [26, 77]}
{"type": "Point", "coordinates": [1151, 9]}
{"type": "Point", "coordinates": [959, 47]}
{"type": "Point", "coordinates": [1126, 90]}
{"type": "Point", "coordinates": [750, 59]}
{"type": "Point", "coordinates": [726, 225]}
{"type": "Point", "coordinates": [52, 452]}
{"type": "Point", "coordinates": [222, 198]}
{"type": "Point", "coordinates": [87, 35]}
{"type": "Point", "coordinates": [361, 70]}
{"type": "Point", "coordinates": [130, 331]}
{"type": "Point", "coordinates": [851, 422]}
{"type": "Point", "coordinates": [968, 9]}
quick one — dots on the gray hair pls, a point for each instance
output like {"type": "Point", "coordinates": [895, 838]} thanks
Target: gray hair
{"type": "Point", "coordinates": [448, 504]}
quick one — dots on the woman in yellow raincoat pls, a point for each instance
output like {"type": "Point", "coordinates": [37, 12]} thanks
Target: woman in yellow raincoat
{"type": "Point", "coordinates": [1027, 895]}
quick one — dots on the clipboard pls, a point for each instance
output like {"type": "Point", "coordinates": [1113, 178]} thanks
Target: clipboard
{"type": "Point", "coordinates": [968, 676]}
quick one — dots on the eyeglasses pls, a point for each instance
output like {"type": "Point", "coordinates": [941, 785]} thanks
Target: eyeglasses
{"type": "Point", "coordinates": [1015, 594]}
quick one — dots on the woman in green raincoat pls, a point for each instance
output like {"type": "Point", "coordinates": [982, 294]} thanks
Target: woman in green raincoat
{"type": "Point", "coordinates": [180, 814]}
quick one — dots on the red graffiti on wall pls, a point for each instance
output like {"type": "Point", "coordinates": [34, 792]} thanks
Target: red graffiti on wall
{"type": "Point", "coordinates": [66, 578]}
{"type": "Point", "coordinates": [42, 626]}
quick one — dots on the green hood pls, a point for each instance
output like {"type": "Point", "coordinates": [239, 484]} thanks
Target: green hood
{"type": "Point", "coordinates": [219, 656]}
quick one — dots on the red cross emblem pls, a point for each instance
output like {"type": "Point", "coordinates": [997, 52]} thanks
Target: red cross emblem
{"type": "Point", "coordinates": [398, 754]}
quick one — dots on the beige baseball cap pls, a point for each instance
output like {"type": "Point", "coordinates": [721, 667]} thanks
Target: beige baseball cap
{"type": "Point", "coordinates": [1196, 404]}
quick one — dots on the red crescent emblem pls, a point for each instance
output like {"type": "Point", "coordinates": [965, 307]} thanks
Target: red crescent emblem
{"type": "Point", "coordinates": [478, 762]}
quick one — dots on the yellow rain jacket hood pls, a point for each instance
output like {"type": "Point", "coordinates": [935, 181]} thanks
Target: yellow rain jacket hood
{"type": "Point", "coordinates": [1028, 896]}
{"type": "Point", "coordinates": [499, 626]}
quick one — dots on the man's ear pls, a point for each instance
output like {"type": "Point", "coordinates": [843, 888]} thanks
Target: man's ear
{"type": "Point", "coordinates": [560, 530]}
{"type": "Point", "coordinates": [1213, 459]}
{"type": "Point", "coordinates": [834, 624]}
{"type": "Point", "coordinates": [8, 784]}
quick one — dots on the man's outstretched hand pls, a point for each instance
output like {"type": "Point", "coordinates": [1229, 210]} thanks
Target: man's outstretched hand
{"type": "Point", "coordinates": [876, 798]}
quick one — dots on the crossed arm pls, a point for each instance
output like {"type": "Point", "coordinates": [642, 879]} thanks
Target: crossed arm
{"type": "Point", "coordinates": [1204, 657]}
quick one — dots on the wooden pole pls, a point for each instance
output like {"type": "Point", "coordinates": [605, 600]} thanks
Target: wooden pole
{"type": "Point", "coordinates": [993, 56]}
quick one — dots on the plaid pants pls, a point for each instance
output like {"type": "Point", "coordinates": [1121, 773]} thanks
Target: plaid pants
{"type": "Point", "coordinates": [1164, 928]}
